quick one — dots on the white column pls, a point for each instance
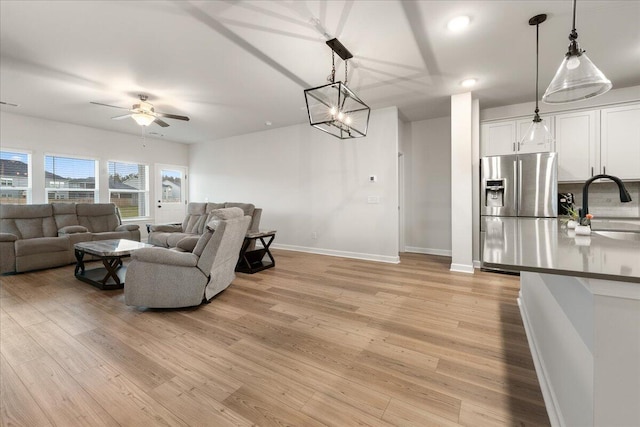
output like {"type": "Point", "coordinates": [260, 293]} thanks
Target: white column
{"type": "Point", "coordinates": [461, 183]}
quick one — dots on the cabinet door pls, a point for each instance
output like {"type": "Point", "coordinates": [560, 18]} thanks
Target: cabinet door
{"type": "Point", "coordinates": [523, 127]}
{"type": "Point", "coordinates": [577, 144]}
{"type": "Point", "coordinates": [620, 141]}
{"type": "Point", "coordinates": [498, 138]}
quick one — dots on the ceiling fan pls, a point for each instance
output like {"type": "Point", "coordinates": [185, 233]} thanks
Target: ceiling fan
{"type": "Point", "coordinates": [144, 114]}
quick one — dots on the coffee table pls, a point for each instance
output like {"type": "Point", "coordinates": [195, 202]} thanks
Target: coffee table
{"type": "Point", "coordinates": [111, 252]}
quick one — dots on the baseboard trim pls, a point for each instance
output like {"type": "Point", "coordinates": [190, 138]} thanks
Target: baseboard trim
{"type": "Point", "coordinates": [462, 268]}
{"type": "Point", "coordinates": [342, 254]}
{"type": "Point", "coordinates": [477, 264]}
{"type": "Point", "coordinates": [427, 251]}
{"type": "Point", "coordinates": [548, 395]}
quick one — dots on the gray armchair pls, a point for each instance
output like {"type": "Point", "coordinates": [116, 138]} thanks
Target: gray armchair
{"type": "Point", "coordinates": [162, 278]}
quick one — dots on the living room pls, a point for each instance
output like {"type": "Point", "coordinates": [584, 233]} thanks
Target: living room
{"type": "Point", "coordinates": [323, 195]}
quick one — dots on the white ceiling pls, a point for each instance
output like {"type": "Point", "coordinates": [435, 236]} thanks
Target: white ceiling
{"type": "Point", "coordinates": [232, 66]}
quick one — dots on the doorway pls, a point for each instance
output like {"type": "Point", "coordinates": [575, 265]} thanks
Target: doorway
{"type": "Point", "coordinates": [171, 193]}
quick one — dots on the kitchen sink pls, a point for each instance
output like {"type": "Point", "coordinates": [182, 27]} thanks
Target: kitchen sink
{"type": "Point", "coordinates": [619, 235]}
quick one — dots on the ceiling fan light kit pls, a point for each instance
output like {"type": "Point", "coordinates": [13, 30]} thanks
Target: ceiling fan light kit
{"type": "Point", "coordinates": [577, 77]}
{"type": "Point", "coordinates": [144, 114]}
{"type": "Point", "coordinates": [334, 108]}
{"type": "Point", "coordinates": [538, 132]}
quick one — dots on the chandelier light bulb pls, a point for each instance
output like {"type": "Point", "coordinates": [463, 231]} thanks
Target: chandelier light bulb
{"type": "Point", "coordinates": [333, 111]}
{"type": "Point", "coordinates": [341, 116]}
{"type": "Point", "coordinates": [573, 63]}
{"type": "Point", "coordinates": [348, 120]}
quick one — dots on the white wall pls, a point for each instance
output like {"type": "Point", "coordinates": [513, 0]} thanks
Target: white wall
{"type": "Point", "coordinates": [40, 137]}
{"type": "Point", "coordinates": [309, 182]}
{"type": "Point", "coordinates": [427, 149]}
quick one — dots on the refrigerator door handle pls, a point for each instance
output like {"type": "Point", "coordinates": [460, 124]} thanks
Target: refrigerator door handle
{"type": "Point", "coordinates": [517, 178]}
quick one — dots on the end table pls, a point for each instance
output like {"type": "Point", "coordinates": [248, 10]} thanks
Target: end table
{"type": "Point", "coordinates": [254, 260]}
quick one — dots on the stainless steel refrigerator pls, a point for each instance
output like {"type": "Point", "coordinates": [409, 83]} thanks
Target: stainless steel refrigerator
{"type": "Point", "coordinates": [518, 185]}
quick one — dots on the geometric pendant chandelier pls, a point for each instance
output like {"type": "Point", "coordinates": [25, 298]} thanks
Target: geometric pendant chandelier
{"type": "Point", "coordinates": [577, 77]}
{"type": "Point", "coordinates": [334, 108]}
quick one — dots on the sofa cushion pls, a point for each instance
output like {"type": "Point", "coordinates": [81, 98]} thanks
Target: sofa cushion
{"type": "Point", "coordinates": [247, 208]}
{"type": "Point", "coordinates": [99, 217]}
{"type": "Point", "coordinates": [72, 229]}
{"type": "Point", "coordinates": [188, 243]}
{"type": "Point", "coordinates": [41, 245]}
{"type": "Point", "coordinates": [28, 221]}
{"type": "Point", "coordinates": [202, 242]}
{"type": "Point", "coordinates": [196, 216]}
{"type": "Point", "coordinates": [212, 206]}
{"type": "Point", "coordinates": [64, 214]}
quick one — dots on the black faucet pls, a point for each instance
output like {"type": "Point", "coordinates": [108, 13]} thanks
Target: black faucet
{"type": "Point", "coordinates": [625, 197]}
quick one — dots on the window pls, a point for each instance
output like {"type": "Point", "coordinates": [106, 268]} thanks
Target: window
{"type": "Point", "coordinates": [129, 188]}
{"type": "Point", "coordinates": [70, 179]}
{"type": "Point", "coordinates": [15, 177]}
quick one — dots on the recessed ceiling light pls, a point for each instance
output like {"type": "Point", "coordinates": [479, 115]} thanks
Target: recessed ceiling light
{"type": "Point", "coordinates": [268, 123]}
{"type": "Point", "coordinates": [468, 82]}
{"type": "Point", "coordinates": [458, 23]}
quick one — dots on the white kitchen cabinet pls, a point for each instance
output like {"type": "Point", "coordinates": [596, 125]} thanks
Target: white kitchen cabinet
{"type": "Point", "coordinates": [503, 137]}
{"type": "Point", "coordinates": [620, 141]}
{"type": "Point", "coordinates": [599, 141]}
{"type": "Point", "coordinates": [578, 145]}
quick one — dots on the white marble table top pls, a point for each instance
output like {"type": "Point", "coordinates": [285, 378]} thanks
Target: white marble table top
{"type": "Point", "coordinates": [113, 247]}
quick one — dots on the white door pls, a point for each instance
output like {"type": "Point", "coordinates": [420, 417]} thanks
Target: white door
{"type": "Point", "coordinates": [170, 194]}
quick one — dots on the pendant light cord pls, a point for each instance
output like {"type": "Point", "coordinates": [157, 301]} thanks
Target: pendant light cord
{"type": "Point", "coordinates": [537, 55]}
{"type": "Point", "coordinates": [574, 34]}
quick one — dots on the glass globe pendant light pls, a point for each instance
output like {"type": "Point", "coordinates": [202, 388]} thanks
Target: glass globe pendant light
{"type": "Point", "coordinates": [538, 132]}
{"type": "Point", "coordinates": [577, 78]}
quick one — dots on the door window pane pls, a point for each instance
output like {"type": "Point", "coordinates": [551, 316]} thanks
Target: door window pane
{"type": "Point", "coordinates": [171, 186]}
{"type": "Point", "coordinates": [70, 179]}
{"type": "Point", "coordinates": [15, 179]}
{"type": "Point", "coordinates": [129, 188]}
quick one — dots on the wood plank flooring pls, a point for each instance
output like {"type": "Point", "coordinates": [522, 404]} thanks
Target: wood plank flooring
{"type": "Point", "coordinates": [315, 341]}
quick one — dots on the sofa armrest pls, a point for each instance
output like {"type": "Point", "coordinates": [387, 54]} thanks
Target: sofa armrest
{"type": "Point", "coordinates": [72, 229]}
{"type": "Point", "coordinates": [165, 256]}
{"type": "Point", "coordinates": [167, 228]}
{"type": "Point", "coordinates": [127, 227]}
{"type": "Point", "coordinates": [8, 237]}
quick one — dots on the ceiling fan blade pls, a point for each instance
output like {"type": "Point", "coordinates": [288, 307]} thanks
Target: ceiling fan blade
{"type": "Point", "coordinates": [173, 116]}
{"type": "Point", "coordinates": [161, 123]}
{"type": "Point", "coordinates": [124, 116]}
{"type": "Point", "coordinates": [107, 105]}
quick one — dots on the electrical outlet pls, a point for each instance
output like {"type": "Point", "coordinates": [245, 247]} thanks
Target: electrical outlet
{"type": "Point", "coordinates": [314, 235]}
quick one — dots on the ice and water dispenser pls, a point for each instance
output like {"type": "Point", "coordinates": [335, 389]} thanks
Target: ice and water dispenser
{"type": "Point", "coordinates": [494, 193]}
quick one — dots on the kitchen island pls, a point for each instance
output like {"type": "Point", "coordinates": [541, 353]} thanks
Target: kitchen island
{"type": "Point", "coordinates": [580, 305]}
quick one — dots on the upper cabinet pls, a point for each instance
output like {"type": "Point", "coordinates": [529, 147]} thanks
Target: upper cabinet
{"type": "Point", "coordinates": [599, 141]}
{"type": "Point", "coordinates": [620, 141]}
{"type": "Point", "coordinates": [588, 142]}
{"type": "Point", "coordinates": [503, 137]}
{"type": "Point", "coordinates": [578, 145]}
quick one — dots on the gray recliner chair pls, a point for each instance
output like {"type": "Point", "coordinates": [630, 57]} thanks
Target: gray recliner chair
{"type": "Point", "coordinates": [168, 278]}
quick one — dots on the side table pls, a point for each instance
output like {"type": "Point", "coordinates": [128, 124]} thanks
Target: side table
{"type": "Point", "coordinates": [257, 259]}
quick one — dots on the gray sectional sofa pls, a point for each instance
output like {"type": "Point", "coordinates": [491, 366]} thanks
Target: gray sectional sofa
{"type": "Point", "coordinates": [34, 237]}
{"type": "Point", "coordinates": [184, 236]}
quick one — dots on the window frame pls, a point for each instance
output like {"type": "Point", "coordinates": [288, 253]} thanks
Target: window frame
{"type": "Point", "coordinates": [145, 192]}
{"type": "Point", "coordinates": [29, 188]}
{"type": "Point", "coordinates": [96, 172]}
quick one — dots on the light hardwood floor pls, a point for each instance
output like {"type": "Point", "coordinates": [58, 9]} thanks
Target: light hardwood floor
{"type": "Point", "coordinates": [316, 340]}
